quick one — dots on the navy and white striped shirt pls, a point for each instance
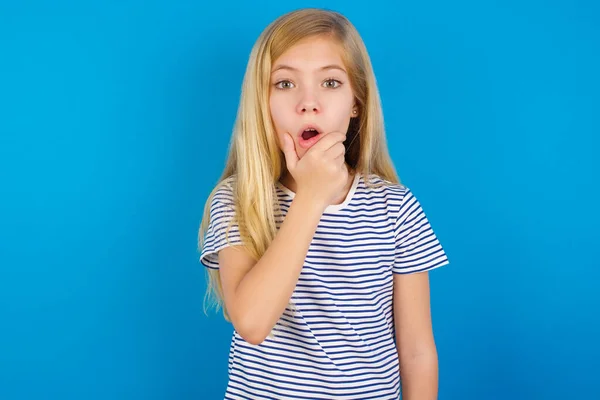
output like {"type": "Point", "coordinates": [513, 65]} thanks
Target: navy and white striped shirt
{"type": "Point", "coordinates": [337, 339]}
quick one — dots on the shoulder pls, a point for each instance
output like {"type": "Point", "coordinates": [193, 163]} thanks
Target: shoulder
{"type": "Point", "coordinates": [223, 194]}
{"type": "Point", "coordinates": [393, 191]}
{"type": "Point", "coordinates": [225, 188]}
{"type": "Point", "coordinates": [396, 197]}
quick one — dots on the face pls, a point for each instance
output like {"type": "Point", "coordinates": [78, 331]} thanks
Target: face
{"type": "Point", "coordinates": [310, 89]}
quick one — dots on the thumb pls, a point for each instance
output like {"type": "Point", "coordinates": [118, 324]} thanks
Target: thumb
{"type": "Point", "coordinates": [289, 151]}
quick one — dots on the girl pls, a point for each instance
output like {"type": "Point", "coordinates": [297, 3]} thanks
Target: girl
{"type": "Point", "coordinates": [318, 255]}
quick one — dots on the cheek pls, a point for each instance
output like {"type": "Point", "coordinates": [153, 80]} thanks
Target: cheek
{"type": "Point", "coordinates": [278, 118]}
{"type": "Point", "coordinates": [342, 113]}
{"type": "Point", "coordinates": [278, 112]}
{"type": "Point", "coordinates": [340, 104]}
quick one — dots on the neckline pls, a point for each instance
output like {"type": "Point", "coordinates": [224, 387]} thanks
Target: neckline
{"type": "Point", "coordinates": [332, 207]}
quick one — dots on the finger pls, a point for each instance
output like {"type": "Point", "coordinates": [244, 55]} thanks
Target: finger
{"type": "Point", "coordinates": [336, 150]}
{"type": "Point", "coordinates": [289, 151]}
{"type": "Point", "coordinates": [339, 160]}
{"type": "Point", "coordinates": [328, 141]}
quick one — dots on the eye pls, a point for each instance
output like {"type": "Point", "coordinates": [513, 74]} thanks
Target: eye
{"type": "Point", "coordinates": [284, 84]}
{"type": "Point", "coordinates": [332, 83]}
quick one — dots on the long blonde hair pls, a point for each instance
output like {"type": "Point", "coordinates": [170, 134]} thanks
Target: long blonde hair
{"type": "Point", "coordinates": [255, 162]}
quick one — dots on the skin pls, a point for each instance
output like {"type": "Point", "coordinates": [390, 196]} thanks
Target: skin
{"type": "Point", "coordinates": [256, 292]}
{"type": "Point", "coordinates": [310, 85]}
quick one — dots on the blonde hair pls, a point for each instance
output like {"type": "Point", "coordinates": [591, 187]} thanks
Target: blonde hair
{"type": "Point", "coordinates": [255, 162]}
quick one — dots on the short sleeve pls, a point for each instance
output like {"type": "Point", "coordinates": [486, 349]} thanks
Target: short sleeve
{"type": "Point", "coordinates": [417, 247]}
{"type": "Point", "coordinates": [219, 234]}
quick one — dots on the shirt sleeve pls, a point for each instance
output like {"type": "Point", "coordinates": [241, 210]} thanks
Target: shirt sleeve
{"type": "Point", "coordinates": [417, 247]}
{"type": "Point", "coordinates": [219, 233]}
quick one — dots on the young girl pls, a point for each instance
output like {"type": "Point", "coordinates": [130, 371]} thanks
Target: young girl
{"type": "Point", "coordinates": [317, 253]}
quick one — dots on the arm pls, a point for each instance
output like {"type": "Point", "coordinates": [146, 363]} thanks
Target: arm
{"type": "Point", "coordinates": [257, 293]}
{"type": "Point", "coordinates": [414, 337]}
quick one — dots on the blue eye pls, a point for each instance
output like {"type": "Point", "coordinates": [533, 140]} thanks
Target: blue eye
{"type": "Point", "coordinates": [328, 83]}
{"type": "Point", "coordinates": [336, 83]}
{"type": "Point", "coordinates": [287, 84]}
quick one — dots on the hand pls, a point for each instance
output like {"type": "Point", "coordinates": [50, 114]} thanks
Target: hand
{"type": "Point", "coordinates": [321, 174]}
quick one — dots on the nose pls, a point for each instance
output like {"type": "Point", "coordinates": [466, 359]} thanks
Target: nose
{"type": "Point", "coordinates": [308, 103]}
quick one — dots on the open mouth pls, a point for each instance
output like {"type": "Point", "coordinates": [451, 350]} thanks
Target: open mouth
{"type": "Point", "coordinates": [309, 133]}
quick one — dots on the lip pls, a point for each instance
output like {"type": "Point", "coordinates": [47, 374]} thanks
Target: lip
{"type": "Point", "coordinates": [309, 126]}
{"type": "Point", "coordinates": [308, 143]}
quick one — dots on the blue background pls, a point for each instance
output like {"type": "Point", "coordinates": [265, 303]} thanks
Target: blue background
{"type": "Point", "coordinates": [115, 119]}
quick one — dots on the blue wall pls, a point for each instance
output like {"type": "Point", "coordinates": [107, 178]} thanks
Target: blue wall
{"type": "Point", "coordinates": [115, 119]}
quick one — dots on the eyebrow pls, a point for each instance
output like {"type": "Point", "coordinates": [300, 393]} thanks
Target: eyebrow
{"type": "Point", "coordinates": [327, 67]}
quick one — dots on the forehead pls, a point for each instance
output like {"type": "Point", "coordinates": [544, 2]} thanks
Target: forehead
{"type": "Point", "coordinates": [311, 54]}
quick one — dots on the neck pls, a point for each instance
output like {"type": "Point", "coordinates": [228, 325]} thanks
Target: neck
{"type": "Point", "coordinates": [288, 181]}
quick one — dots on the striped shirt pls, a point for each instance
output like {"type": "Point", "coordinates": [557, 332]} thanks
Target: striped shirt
{"type": "Point", "coordinates": [336, 340]}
